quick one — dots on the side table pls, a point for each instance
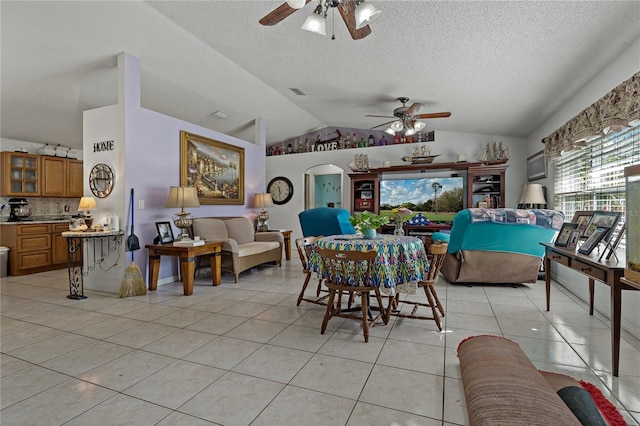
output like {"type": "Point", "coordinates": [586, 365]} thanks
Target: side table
{"type": "Point", "coordinates": [286, 234]}
{"type": "Point", "coordinates": [187, 256]}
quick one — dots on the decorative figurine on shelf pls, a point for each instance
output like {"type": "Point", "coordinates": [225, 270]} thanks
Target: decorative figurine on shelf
{"type": "Point", "coordinates": [276, 151]}
{"type": "Point", "coordinates": [396, 139]}
{"type": "Point", "coordinates": [269, 151]}
{"type": "Point", "coordinates": [383, 141]}
{"type": "Point", "coordinates": [354, 141]}
{"type": "Point", "coordinates": [362, 143]}
{"type": "Point", "coordinates": [371, 141]}
{"type": "Point", "coordinates": [290, 149]}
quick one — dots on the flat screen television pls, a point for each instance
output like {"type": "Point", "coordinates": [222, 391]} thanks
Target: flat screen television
{"type": "Point", "coordinates": [438, 198]}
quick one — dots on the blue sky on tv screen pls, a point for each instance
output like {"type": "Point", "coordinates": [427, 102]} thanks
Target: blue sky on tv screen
{"type": "Point", "coordinates": [417, 191]}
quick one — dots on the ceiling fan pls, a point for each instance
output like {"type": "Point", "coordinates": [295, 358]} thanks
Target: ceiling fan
{"type": "Point", "coordinates": [356, 20]}
{"type": "Point", "coordinates": [407, 119]}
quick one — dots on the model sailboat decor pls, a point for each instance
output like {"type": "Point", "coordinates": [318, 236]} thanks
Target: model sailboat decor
{"type": "Point", "coordinates": [494, 153]}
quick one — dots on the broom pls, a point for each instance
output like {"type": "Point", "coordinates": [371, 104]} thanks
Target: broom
{"type": "Point", "coordinates": [132, 284]}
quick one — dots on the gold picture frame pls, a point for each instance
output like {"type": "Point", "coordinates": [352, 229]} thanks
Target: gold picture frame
{"type": "Point", "coordinates": [214, 168]}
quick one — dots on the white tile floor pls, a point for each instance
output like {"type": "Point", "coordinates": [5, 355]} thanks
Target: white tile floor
{"type": "Point", "coordinates": [244, 354]}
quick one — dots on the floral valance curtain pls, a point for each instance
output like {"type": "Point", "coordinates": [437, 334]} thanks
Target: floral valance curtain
{"type": "Point", "coordinates": [616, 110]}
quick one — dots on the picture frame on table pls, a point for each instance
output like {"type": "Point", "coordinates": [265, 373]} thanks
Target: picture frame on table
{"type": "Point", "coordinates": [573, 240]}
{"type": "Point", "coordinates": [214, 168]}
{"type": "Point", "coordinates": [603, 219]}
{"type": "Point", "coordinates": [536, 166]}
{"type": "Point", "coordinates": [565, 234]}
{"type": "Point", "coordinates": [593, 240]}
{"type": "Point", "coordinates": [614, 245]}
{"type": "Point", "coordinates": [582, 219]}
{"type": "Point", "coordinates": [165, 232]}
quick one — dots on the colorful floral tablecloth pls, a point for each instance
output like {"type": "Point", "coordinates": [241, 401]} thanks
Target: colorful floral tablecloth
{"type": "Point", "coordinates": [401, 261]}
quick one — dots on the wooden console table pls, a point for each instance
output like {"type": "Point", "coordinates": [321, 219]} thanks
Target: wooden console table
{"type": "Point", "coordinates": [609, 272]}
{"type": "Point", "coordinates": [187, 257]}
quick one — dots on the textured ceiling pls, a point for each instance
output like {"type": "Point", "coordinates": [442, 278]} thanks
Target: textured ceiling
{"type": "Point", "coordinates": [499, 67]}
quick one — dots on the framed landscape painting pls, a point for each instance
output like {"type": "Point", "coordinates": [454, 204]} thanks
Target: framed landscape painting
{"type": "Point", "coordinates": [536, 166]}
{"type": "Point", "coordinates": [214, 168]}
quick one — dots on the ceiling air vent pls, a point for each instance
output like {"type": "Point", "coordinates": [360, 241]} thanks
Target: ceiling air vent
{"type": "Point", "coordinates": [220, 114]}
{"type": "Point", "coordinates": [298, 92]}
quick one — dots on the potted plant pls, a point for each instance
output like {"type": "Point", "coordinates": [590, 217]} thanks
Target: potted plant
{"type": "Point", "coordinates": [367, 223]}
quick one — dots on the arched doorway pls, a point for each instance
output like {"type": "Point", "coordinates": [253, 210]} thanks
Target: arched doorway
{"type": "Point", "coordinates": [323, 186]}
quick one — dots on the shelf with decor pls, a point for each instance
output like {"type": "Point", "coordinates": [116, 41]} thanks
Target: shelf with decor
{"type": "Point", "coordinates": [365, 192]}
{"type": "Point", "coordinates": [485, 186]}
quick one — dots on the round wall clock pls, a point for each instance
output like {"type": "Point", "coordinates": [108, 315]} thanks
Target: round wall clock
{"type": "Point", "coordinates": [101, 180]}
{"type": "Point", "coordinates": [281, 190]}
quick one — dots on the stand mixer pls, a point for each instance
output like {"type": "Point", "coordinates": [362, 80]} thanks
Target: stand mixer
{"type": "Point", "coordinates": [19, 209]}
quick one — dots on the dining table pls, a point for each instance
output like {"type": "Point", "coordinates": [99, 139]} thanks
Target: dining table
{"type": "Point", "coordinates": [400, 264]}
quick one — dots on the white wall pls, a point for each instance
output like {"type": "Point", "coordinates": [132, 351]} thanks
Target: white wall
{"type": "Point", "coordinates": [447, 144]}
{"type": "Point", "coordinates": [615, 73]}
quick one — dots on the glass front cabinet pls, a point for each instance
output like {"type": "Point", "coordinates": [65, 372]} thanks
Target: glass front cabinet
{"type": "Point", "coordinates": [632, 270]}
{"type": "Point", "coordinates": [20, 174]}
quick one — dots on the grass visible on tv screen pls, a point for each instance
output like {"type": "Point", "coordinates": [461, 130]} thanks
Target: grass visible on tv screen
{"type": "Point", "coordinates": [432, 216]}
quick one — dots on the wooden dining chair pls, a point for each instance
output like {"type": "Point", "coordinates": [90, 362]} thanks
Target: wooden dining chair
{"type": "Point", "coordinates": [305, 247]}
{"type": "Point", "coordinates": [350, 272]}
{"type": "Point", "coordinates": [436, 256]}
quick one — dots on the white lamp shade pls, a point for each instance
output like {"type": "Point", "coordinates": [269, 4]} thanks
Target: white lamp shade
{"type": "Point", "coordinates": [532, 194]}
{"type": "Point", "coordinates": [181, 197]}
{"type": "Point", "coordinates": [365, 14]}
{"type": "Point", "coordinates": [419, 125]}
{"type": "Point", "coordinates": [390, 131]}
{"type": "Point", "coordinates": [296, 4]}
{"type": "Point", "coordinates": [263, 200]}
{"type": "Point", "coordinates": [410, 131]}
{"type": "Point", "coordinates": [397, 126]}
{"type": "Point", "coordinates": [315, 24]}
{"type": "Point", "coordinates": [87, 204]}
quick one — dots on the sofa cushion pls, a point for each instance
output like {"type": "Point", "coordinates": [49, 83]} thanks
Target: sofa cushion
{"type": "Point", "coordinates": [249, 249]}
{"type": "Point", "coordinates": [240, 229]}
{"type": "Point", "coordinates": [210, 229]}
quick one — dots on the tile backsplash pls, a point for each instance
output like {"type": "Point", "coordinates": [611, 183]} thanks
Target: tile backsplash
{"type": "Point", "coordinates": [44, 206]}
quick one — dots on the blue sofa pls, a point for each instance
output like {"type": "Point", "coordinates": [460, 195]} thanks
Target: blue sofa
{"type": "Point", "coordinates": [325, 221]}
{"type": "Point", "coordinates": [499, 245]}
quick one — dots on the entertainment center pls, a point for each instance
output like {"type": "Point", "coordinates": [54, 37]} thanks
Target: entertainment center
{"type": "Point", "coordinates": [484, 186]}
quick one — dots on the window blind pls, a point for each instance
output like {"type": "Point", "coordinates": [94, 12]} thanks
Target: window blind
{"type": "Point", "coordinates": [592, 178]}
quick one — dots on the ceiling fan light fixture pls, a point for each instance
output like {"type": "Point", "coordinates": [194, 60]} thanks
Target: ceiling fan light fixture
{"type": "Point", "coordinates": [390, 131]}
{"type": "Point", "coordinates": [419, 125]}
{"type": "Point", "coordinates": [410, 131]}
{"type": "Point", "coordinates": [315, 22]}
{"type": "Point", "coordinates": [296, 4]}
{"type": "Point", "coordinates": [365, 14]}
{"type": "Point", "coordinates": [397, 126]}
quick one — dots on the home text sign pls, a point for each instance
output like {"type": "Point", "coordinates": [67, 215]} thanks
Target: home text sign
{"type": "Point", "coordinates": [103, 146]}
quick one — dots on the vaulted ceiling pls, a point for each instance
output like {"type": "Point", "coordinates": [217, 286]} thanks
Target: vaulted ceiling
{"type": "Point", "coordinates": [500, 67]}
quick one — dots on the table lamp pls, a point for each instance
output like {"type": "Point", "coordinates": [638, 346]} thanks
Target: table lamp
{"type": "Point", "coordinates": [86, 205]}
{"type": "Point", "coordinates": [181, 197]}
{"type": "Point", "coordinates": [261, 201]}
{"type": "Point", "coordinates": [531, 196]}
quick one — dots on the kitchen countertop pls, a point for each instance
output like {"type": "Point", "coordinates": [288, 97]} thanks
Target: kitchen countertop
{"type": "Point", "coordinates": [37, 219]}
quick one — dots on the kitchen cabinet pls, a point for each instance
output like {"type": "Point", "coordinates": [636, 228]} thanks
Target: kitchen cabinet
{"type": "Point", "coordinates": [61, 177]}
{"type": "Point", "coordinates": [20, 175]}
{"type": "Point", "coordinates": [37, 247]}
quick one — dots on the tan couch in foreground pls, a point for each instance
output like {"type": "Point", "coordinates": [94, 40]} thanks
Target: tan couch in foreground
{"type": "Point", "coordinates": [243, 247]}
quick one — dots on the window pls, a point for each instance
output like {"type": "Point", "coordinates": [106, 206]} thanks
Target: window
{"type": "Point", "coordinates": [592, 178]}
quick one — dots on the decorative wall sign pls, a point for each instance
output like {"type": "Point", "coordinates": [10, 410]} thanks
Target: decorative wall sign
{"type": "Point", "coordinates": [214, 168]}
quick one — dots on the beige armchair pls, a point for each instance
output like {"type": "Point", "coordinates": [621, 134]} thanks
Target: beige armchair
{"type": "Point", "coordinates": [243, 248]}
